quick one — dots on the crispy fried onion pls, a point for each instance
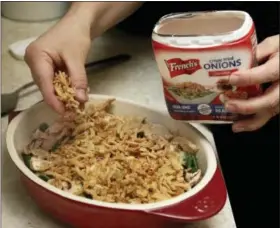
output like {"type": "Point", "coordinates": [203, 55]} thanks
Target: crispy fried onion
{"type": "Point", "coordinates": [113, 158]}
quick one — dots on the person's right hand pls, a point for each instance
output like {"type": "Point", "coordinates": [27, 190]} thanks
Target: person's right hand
{"type": "Point", "coordinates": [64, 47]}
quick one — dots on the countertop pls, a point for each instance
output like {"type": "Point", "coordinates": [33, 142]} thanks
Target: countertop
{"type": "Point", "coordinates": [137, 80]}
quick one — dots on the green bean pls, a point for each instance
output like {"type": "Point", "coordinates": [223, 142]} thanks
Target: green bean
{"type": "Point", "coordinates": [55, 146]}
{"type": "Point", "coordinates": [43, 127]}
{"type": "Point", "coordinates": [45, 177]}
{"type": "Point", "coordinates": [27, 160]}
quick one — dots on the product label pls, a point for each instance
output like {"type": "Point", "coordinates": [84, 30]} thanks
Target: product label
{"type": "Point", "coordinates": [195, 81]}
{"type": "Point", "coordinates": [177, 66]}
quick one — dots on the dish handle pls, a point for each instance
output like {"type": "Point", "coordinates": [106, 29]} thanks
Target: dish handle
{"type": "Point", "coordinates": [205, 204]}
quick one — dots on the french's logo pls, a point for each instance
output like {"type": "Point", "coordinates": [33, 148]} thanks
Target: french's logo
{"type": "Point", "coordinates": [177, 66]}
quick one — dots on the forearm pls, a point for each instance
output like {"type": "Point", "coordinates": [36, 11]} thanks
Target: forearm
{"type": "Point", "coordinates": [101, 16]}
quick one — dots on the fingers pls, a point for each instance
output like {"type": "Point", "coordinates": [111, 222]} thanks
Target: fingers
{"type": "Point", "coordinates": [42, 70]}
{"type": "Point", "coordinates": [265, 106]}
{"type": "Point", "coordinates": [256, 122]}
{"type": "Point", "coordinates": [269, 100]}
{"type": "Point", "coordinates": [268, 46]}
{"type": "Point", "coordinates": [251, 124]}
{"type": "Point", "coordinates": [78, 77]}
{"type": "Point", "coordinates": [267, 72]}
{"type": "Point", "coordinates": [264, 73]}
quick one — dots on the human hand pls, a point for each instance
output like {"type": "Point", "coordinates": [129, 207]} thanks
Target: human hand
{"type": "Point", "coordinates": [263, 107]}
{"type": "Point", "coordinates": [64, 47]}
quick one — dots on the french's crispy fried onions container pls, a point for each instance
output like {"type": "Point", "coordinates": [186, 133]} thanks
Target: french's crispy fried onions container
{"type": "Point", "coordinates": [196, 53]}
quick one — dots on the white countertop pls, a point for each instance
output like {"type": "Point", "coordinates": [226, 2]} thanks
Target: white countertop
{"type": "Point", "coordinates": [137, 80]}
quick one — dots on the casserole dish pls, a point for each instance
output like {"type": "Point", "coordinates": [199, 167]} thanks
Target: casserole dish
{"type": "Point", "coordinates": [205, 200]}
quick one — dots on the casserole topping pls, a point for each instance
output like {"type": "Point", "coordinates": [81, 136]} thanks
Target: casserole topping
{"type": "Point", "coordinates": [111, 158]}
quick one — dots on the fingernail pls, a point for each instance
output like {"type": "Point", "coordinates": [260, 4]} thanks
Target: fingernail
{"type": "Point", "coordinates": [237, 129]}
{"type": "Point", "coordinates": [233, 79]}
{"type": "Point", "coordinates": [81, 94]}
{"type": "Point", "coordinates": [230, 107]}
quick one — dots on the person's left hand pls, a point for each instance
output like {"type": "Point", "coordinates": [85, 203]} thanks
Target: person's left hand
{"type": "Point", "coordinates": [263, 107]}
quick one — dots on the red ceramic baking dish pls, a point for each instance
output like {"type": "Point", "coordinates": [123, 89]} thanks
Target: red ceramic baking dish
{"type": "Point", "coordinates": [205, 200]}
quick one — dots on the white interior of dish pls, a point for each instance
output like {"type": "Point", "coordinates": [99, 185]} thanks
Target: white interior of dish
{"type": "Point", "coordinates": [21, 127]}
